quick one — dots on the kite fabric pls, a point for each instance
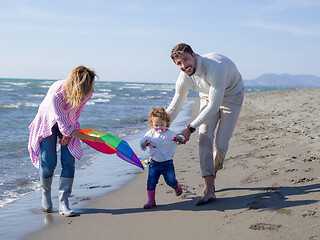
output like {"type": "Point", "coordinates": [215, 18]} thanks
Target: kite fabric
{"type": "Point", "coordinates": [112, 145]}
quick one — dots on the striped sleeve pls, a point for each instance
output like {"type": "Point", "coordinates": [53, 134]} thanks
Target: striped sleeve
{"type": "Point", "coordinates": [61, 115]}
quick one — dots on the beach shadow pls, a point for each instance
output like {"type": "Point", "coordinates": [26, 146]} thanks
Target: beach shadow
{"type": "Point", "coordinates": [267, 199]}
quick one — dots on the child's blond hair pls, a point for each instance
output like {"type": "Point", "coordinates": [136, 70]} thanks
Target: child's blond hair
{"type": "Point", "coordinates": [79, 84]}
{"type": "Point", "coordinates": [158, 112]}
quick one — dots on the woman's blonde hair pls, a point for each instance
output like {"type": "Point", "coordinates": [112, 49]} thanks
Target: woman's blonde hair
{"type": "Point", "coordinates": [79, 84]}
{"type": "Point", "coordinates": [158, 112]}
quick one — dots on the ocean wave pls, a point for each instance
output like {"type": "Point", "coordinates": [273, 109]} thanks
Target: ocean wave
{"type": "Point", "coordinates": [134, 85]}
{"type": "Point", "coordinates": [103, 95]}
{"type": "Point", "coordinates": [90, 103]}
{"type": "Point", "coordinates": [17, 83]}
{"type": "Point", "coordinates": [99, 100]}
{"type": "Point", "coordinates": [13, 105]}
{"type": "Point", "coordinates": [130, 87]}
{"type": "Point", "coordinates": [6, 86]}
{"type": "Point", "coordinates": [31, 104]}
{"type": "Point", "coordinates": [36, 95]}
{"type": "Point", "coordinates": [113, 119]}
{"type": "Point", "coordinates": [19, 104]}
{"type": "Point", "coordinates": [7, 89]}
{"type": "Point", "coordinates": [150, 97]}
{"type": "Point", "coordinates": [10, 196]}
{"type": "Point", "coordinates": [105, 90]}
{"type": "Point", "coordinates": [45, 86]}
{"type": "Point", "coordinates": [130, 132]}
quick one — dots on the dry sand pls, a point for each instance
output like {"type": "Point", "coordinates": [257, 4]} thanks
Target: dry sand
{"type": "Point", "coordinates": [269, 187]}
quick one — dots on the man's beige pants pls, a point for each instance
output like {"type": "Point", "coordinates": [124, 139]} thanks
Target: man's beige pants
{"type": "Point", "coordinates": [213, 149]}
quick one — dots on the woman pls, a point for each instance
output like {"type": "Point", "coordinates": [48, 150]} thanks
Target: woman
{"type": "Point", "coordinates": [58, 117]}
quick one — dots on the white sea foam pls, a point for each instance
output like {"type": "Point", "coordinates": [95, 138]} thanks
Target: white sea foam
{"type": "Point", "coordinates": [17, 83]}
{"type": "Point", "coordinates": [105, 90]}
{"type": "Point", "coordinates": [103, 95]}
{"type": "Point", "coordinates": [13, 105]}
{"type": "Point", "coordinates": [90, 103]}
{"type": "Point", "coordinates": [7, 89]}
{"type": "Point", "coordinates": [19, 104]}
{"type": "Point", "coordinates": [11, 196]}
{"type": "Point", "coordinates": [36, 95]}
{"type": "Point", "coordinates": [134, 85]}
{"type": "Point", "coordinates": [100, 100]}
{"type": "Point", "coordinates": [28, 104]}
{"type": "Point", "coordinates": [131, 86]}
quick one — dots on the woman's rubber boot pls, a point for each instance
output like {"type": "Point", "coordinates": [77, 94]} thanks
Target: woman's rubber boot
{"type": "Point", "coordinates": [151, 199]}
{"type": "Point", "coordinates": [46, 194]}
{"type": "Point", "coordinates": [178, 189]}
{"type": "Point", "coordinates": [64, 192]}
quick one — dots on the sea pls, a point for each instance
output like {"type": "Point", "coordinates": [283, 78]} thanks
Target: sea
{"type": "Point", "coordinates": [118, 108]}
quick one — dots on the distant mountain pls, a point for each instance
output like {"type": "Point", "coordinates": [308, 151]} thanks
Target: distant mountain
{"type": "Point", "coordinates": [284, 80]}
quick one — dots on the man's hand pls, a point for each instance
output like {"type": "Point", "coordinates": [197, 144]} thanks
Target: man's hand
{"type": "Point", "coordinates": [186, 133]}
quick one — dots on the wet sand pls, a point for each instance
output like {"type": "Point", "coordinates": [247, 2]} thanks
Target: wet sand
{"type": "Point", "coordinates": [269, 187]}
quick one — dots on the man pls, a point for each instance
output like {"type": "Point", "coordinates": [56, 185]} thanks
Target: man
{"type": "Point", "coordinates": [220, 88]}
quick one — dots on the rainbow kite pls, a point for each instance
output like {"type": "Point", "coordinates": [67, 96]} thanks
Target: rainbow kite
{"type": "Point", "coordinates": [112, 145]}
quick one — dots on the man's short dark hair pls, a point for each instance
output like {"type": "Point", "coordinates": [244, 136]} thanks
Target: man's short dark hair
{"type": "Point", "coordinates": [179, 49]}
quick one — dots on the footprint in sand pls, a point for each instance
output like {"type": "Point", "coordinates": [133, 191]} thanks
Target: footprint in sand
{"type": "Point", "coordinates": [255, 205]}
{"type": "Point", "coordinates": [291, 170]}
{"type": "Point", "coordinates": [104, 186]}
{"type": "Point", "coordinates": [314, 238]}
{"type": "Point", "coordinates": [308, 213]}
{"type": "Point", "coordinates": [264, 226]}
{"type": "Point", "coordinates": [284, 211]}
{"type": "Point", "coordinates": [302, 180]}
{"type": "Point", "coordinates": [81, 200]}
{"type": "Point", "coordinates": [311, 159]}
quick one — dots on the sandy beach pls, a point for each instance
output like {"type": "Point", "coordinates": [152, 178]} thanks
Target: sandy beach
{"type": "Point", "coordinates": [269, 187]}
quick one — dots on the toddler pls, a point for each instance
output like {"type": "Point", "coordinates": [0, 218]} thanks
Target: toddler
{"type": "Point", "coordinates": [160, 141]}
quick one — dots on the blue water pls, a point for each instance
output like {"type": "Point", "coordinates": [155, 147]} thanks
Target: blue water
{"type": "Point", "coordinates": [119, 108]}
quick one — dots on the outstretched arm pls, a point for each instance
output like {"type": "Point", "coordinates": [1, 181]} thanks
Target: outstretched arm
{"type": "Point", "coordinates": [76, 134]}
{"type": "Point", "coordinates": [181, 93]}
{"type": "Point", "coordinates": [80, 135]}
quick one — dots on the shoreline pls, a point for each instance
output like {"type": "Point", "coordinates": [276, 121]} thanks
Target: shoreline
{"type": "Point", "coordinates": [104, 174]}
{"type": "Point", "coordinates": [268, 189]}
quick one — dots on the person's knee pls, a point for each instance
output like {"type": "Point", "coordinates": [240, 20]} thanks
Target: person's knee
{"type": "Point", "coordinates": [151, 184]}
{"type": "Point", "coordinates": [46, 171]}
{"type": "Point", "coordinates": [221, 148]}
{"type": "Point", "coordinates": [205, 140]}
{"type": "Point", "coordinates": [171, 180]}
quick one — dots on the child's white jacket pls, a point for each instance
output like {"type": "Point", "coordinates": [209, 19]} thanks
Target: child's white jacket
{"type": "Point", "coordinates": [162, 145]}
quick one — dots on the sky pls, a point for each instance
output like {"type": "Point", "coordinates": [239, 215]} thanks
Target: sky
{"type": "Point", "coordinates": [131, 41]}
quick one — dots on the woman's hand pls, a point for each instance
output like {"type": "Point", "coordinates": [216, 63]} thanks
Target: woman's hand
{"type": "Point", "coordinates": [64, 140]}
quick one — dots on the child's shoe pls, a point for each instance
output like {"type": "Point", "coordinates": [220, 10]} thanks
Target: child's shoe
{"type": "Point", "coordinates": [151, 199]}
{"type": "Point", "coordinates": [178, 190]}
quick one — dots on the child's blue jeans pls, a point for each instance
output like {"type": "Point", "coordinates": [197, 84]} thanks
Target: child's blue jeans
{"type": "Point", "coordinates": [48, 148]}
{"type": "Point", "coordinates": [156, 169]}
